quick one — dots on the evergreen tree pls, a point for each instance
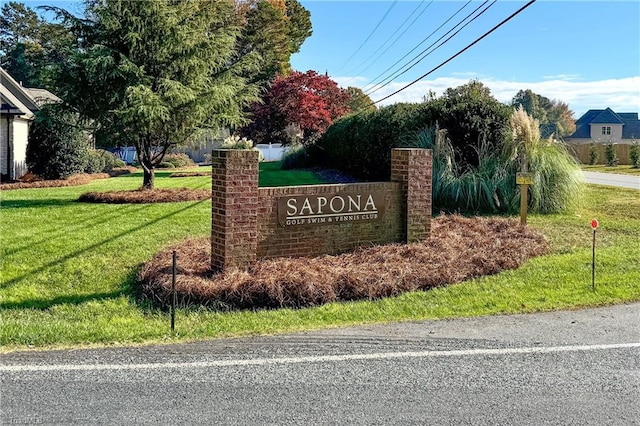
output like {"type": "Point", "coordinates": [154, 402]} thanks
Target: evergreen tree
{"type": "Point", "coordinates": [155, 73]}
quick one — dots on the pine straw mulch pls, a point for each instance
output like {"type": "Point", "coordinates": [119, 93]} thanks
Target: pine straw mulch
{"type": "Point", "coordinates": [139, 196]}
{"type": "Point", "coordinates": [33, 181]}
{"type": "Point", "coordinates": [458, 249]}
{"type": "Point", "coordinates": [73, 180]}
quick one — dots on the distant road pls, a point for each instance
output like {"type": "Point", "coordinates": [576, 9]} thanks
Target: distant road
{"type": "Point", "coordinates": [612, 179]}
{"type": "Point", "coordinates": [573, 367]}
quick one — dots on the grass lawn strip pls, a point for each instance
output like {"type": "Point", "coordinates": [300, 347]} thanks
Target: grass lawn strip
{"type": "Point", "coordinates": [69, 270]}
{"type": "Point", "coordinates": [623, 170]}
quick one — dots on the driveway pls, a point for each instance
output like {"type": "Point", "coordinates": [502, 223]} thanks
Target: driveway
{"type": "Point", "coordinates": [612, 179]}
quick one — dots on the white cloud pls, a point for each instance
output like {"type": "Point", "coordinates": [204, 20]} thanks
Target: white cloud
{"type": "Point", "coordinates": [621, 95]}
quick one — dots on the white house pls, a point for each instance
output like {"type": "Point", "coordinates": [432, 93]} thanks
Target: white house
{"type": "Point", "coordinates": [606, 126]}
{"type": "Point", "coordinates": [16, 112]}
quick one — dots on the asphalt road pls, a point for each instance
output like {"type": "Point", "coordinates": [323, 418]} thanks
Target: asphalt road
{"type": "Point", "coordinates": [611, 179]}
{"type": "Point", "coordinates": [578, 367]}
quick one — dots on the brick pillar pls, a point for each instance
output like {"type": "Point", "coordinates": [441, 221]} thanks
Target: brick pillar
{"type": "Point", "coordinates": [234, 209]}
{"type": "Point", "coordinates": [412, 167]}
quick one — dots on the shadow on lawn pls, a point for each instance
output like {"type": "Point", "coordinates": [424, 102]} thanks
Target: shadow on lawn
{"type": "Point", "coordinates": [128, 288]}
{"type": "Point", "coordinates": [86, 222]}
{"type": "Point", "coordinates": [43, 304]}
{"type": "Point", "coordinates": [77, 253]}
{"type": "Point", "coordinates": [23, 204]}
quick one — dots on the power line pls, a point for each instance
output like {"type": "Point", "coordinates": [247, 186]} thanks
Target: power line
{"type": "Point", "coordinates": [417, 59]}
{"type": "Point", "coordinates": [421, 42]}
{"type": "Point", "coordinates": [421, 4]}
{"type": "Point", "coordinates": [369, 36]}
{"type": "Point", "coordinates": [460, 52]}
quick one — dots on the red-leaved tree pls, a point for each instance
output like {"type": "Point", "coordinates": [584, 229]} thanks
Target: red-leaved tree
{"type": "Point", "coordinates": [300, 106]}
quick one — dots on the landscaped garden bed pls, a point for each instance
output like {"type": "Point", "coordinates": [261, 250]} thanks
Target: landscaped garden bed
{"type": "Point", "coordinates": [459, 249]}
{"type": "Point", "coordinates": [140, 196]}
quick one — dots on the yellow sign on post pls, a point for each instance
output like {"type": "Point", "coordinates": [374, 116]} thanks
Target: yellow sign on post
{"type": "Point", "coordinates": [524, 178]}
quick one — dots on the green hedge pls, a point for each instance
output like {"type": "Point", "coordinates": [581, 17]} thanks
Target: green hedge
{"type": "Point", "coordinates": [361, 144]}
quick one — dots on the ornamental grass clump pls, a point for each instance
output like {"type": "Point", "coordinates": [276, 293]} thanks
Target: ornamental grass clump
{"type": "Point", "coordinates": [236, 142]}
{"type": "Point", "coordinates": [490, 186]}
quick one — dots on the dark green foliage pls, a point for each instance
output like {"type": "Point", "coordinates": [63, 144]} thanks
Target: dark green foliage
{"type": "Point", "coordinates": [610, 154]}
{"type": "Point", "coordinates": [472, 118]}
{"type": "Point", "coordinates": [153, 74]}
{"type": "Point", "coordinates": [57, 146]}
{"type": "Point", "coordinates": [101, 161]}
{"type": "Point", "coordinates": [96, 162]}
{"type": "Point", "coordinates": [29, 45]}
{"type": "Point", "coordinates": [299, 28]}
{"type": "Point", "coordinates": [593, 154]}
{"type": "Point", "coordinates": [179, 160]}
{"type": "Point", "coordinates": [360, 144]}
{"type": "Point", "coordinates": [359, 101]}
{"type": "Point", "coordinates": [634, 155]}
{"type": "Point", "coordinates": [166, 165]}
{"type": "Point", "coordinates": [547, 112]}
{"type": "Point", "coordinates": [299, 157]}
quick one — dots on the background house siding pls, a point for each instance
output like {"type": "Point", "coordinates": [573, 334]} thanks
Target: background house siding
{"type": "Point", "coordinates": [597, 136]}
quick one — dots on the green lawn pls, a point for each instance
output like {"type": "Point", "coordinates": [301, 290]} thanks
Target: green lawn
{"type": "Point", "coordinates": [68, 269]}
{"type": "Point", "coordinates": [623, 170]}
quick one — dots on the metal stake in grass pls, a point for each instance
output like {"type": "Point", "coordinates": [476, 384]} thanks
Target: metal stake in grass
{"type": "Point", "coordinates": [173, 293]}
{"type": "Point", "coordinates": [594, 226]}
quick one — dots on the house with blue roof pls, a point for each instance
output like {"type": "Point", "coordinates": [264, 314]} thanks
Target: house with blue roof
{"type": "Point", "coordinates": [606, 126]}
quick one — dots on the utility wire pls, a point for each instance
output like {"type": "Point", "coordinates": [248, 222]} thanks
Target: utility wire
{"type": "Point", "coordinates": [369, 36]}
{"type": "Point", "coordinates": [420, 44]}
{"type": "Point", "coordinates": [417, 59]}
{"type": "Point", "coordinates": [421, 4]}
{"type": "Point", "coordinates": [476, 41]}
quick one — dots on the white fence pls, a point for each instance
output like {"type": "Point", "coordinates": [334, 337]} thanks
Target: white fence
{"type": "Point", "coordinates": [271, 151]}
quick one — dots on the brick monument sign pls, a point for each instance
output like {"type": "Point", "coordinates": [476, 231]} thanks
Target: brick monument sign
{"type": "Point", "coordinates": [250, 223]}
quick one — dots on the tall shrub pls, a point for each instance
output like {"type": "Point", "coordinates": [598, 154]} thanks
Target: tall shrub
{"type": "Point", "coordinates": [361, 144]}
{"type": "Point", "coordinates": [610, 155]}
{"type": "Point", "coordinates": [634, 154]}
{"type": "Point", "coordinates": [57, 146]}
{"type": "Point", "coordinates": [593, 154]}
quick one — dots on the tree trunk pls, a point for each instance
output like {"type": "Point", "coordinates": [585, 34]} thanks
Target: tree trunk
{"type": "Point", "coordinates": [149, 177]}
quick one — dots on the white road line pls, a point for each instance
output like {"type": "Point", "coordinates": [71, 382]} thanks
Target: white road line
{"type": "Point", "coordinates": [314, 359]}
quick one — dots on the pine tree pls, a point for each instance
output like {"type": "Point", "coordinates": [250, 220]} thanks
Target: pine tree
{"type": "Point", "coordinates": [155, 73]}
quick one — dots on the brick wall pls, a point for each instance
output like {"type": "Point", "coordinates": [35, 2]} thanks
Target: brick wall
{"type": "Point", "coordinates": [234, 207]}
{"type": "Point", "coordinates": [245, 223]}
{"type": "Point", "coordinates": [275, 240]}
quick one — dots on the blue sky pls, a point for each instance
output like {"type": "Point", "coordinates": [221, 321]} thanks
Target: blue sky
{"type": "Point", "coordinates": [586, 53]}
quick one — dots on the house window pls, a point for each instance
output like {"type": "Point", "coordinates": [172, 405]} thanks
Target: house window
{"type": "Point", "coordinates": [606, 130]}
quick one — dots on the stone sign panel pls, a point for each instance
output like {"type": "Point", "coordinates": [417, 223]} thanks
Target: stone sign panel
{"type": "Point", "coordinates": [332, 209]}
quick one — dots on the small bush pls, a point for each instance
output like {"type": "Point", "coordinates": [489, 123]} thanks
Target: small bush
{"type": "Point", "coordinates": [57, 146]}
{"type": "Point", "coordinates": [610, 154]}
{"type": "Point", "coordinates": [95, 162]}
{"type": "Point", "coordinates": [594, 155]}
{"type": "Point", "coordinates": [178, 160]}
{"type": "Point", "coordinates": [166, 165]}
{"type": "Point", "coordinates": [634, 155]}
{"type": "Point", "coordinates": [298, 157]}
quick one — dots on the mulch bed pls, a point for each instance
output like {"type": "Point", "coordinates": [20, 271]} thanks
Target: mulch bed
{"type": "Point", "coordinates": [73, 180]}
{"type": "Point", "coordinates": [33, 181]}
{"type": "Point", "coordinates": [140, 196]}
{"type": "Point", "coordinates": [458, 249]}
